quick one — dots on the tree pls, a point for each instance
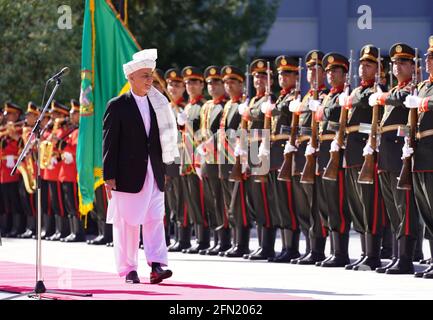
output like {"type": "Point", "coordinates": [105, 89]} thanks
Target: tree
{"type": "Point", "coordinates": [186, 32]}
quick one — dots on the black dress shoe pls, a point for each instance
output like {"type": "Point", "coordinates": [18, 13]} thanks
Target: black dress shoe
{"type": "Point", "coordinates": [368, 264]}
{"type": "Point", "coordinates": [428, 275]}
{"type": "Point", "coordinates": [312, 258]}
{"type": "Point", "coordinates": [386, 267]}
{"type": "Point", "coordinates": [194, 249]}
{"type": "Point", "coordinates": [158, 274]}
{"type": "Point", "coordinates": [425, 261]}
{"type": "Point", "coordinates": [295, 260]}
{"type": "Point", "coordinates": [238, 252]}
{"type": "Point", "coordinates": [54, 237]}
{"type": "Point", "coordinates": [132, 277]}
{"type": "Point", "coordinates": [335, 262]}
{"type": "Point", "coordinates": [262, 255]}
{"type": "Point", "coordinates": [28, 234]}
{"type": "Point", "coordinates": [319, 263]}
{"type": "Point", "coordinates": [402, 266]}
{"type": "Point", "coordinates": [286, 257]}
{"type": "Point", "coordinates": [420, 274]}
{"type": "Point", "coordinates": [179, 246]}
{"type": "Point", "coordinates": [355, 263]}
{"type": "Point", "coordinates": [247, 255]}
{"type": "Point", "coordinates": [99, 240]}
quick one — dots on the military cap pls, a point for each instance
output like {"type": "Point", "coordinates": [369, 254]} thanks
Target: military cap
{"type": "Point", "coordinates": [32, 108]}
{"type": "Point", "coordinates": [58, 107]}
{"type": "Point", "coordinates": [401, 51]}
{"type": "Point", "coordinates": [334, 59]}
{"type": "Point", "coordinates": [75, 106]}
{"type": "Point", "coordinates": [369, 52]}
{"type": "Point", "coordinates": [430, 46]}
{"type": "Point", "coordinates": [212, 72]}
{"type": "Point", "coordinates": [313, 57]}
{"type": "Point", "coordinates": [192, 73]}
{"type": "Point", "coordinates": [259, 66]}
{"type": "Point", "coordinates": [12, 108]}
{"type": "Point", "coordinates": [173, 74]}
{"type": "Point", "coordinates": [285, 63]}
{"type": "Point", "coordinates": [232, 72]}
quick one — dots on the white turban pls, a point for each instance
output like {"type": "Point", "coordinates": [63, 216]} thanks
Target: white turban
{"type": "Point", "coordinates": [140, 60]}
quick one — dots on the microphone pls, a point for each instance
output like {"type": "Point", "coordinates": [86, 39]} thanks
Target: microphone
{"type": "Point", "coordinates": [60, 74]}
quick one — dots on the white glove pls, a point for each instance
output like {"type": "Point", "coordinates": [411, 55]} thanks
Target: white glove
{"type": "Point", "coordinates": [343, 99]}
{"type": "Point", "coordinates": [372, 100]}
{"type": "Point", "coordinates": [242, 107]}
{"type": "Point", "coordinates": [68, 158]}
{"type": "Point", "coordinates": [295, 104]}
{"type": "Point", "coordinates": [412, 101]}
{"type": "Point", "coordinates": [239, 151]}
{"type": "Point", "coordinates": [267, 107]}
{"type": "Point", "coordinates": [313, 105]}
{"type": "Point", "coordinates": [10, 161]}
{"type": "Point", "coordinates": [334, 146]}
{"type": "Point", "coordinates": [182, 117]}
{"type": "Point", "coordinates": [53, 161]}
{"type": "Point", "coordinates": [263, 151]}
{"type": "Point", "coordinates": [310, 150]}
{"type": "Point", "coordinates": [368, 150]}
{"type": "Point", "coordinates": [406, 150]}
{"type": "Point", "coordinates": [198, 171]}
{"type": "Point", "coordinates": [201, 150]}
{"type": "Point", "coordinates": [289, 148]}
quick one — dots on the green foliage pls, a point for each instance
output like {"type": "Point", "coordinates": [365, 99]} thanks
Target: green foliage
{"type": "Point", "coordinates": [186, 32]}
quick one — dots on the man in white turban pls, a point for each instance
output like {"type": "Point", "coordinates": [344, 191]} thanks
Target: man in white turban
{"type": "Point", "coordinates": [139, 136]}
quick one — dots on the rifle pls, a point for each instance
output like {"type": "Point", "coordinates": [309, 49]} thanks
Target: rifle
{"type": "Point", "coordinates": [309, 172]}
{"type": "Point", "coordinates": [267, 124]}
{"type": "Point", "coordinates": [236, 174]}
{"type": "Point", "coordinates": [391, 77]}
{"type": "Point", "coordinates": [405, 178]}
{"type": "Point", "coordinates": [285, 173]}
{"type": "Point", "coordinates": [366, 176]}
{"type": "Point", "coordinates": [331, 171]}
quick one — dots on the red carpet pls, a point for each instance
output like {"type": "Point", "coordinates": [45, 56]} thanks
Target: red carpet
{"type": "Point", "coordinates": [17, 277]}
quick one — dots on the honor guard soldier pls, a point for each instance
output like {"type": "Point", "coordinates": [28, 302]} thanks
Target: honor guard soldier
{"type": "Point", "coordinates": [10, 135]}
{"type": "Point", "coordinates": [234, 192]}
{"type": "Point", "coordinates": [287, 68]}
{"type": "Point", "coordinates": [329, 113]}
{"type": "Point", "coordinates": [260, 194]}
{"type": "Point", "coordinates": [176, 205]}
{"type": "Point", "coordinates": [210, 118]}
{"type": "Point", "coordinates": [68, 175]}
{"type": "Point", "coordinates": [364, 199]}
{"type": "Point", "coordinates": [423, 151]}
{"type": "Point", "coordinates": [50, 161]}
{"type": "Point", "coordinates": [310, 199]}
{"type": "Point", "coordinates": [192, 185]}
{"type": "Point", "coordinates": [27, 186]}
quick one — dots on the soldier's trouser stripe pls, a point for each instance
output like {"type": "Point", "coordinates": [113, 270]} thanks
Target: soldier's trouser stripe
{"type": "Point", "coordinates": [341, 201]}
{"type": "Point", "coordinates": [244, 213]}
{"type": "Point", "coordinates": [77, 212]}
{"type": "Point", "coordinates": [185, 215]}
{"type": "Point", "coordinates": [49, 201]}
{"type": "Point", "coordinates": [406, 230]}
{"type": "Point", "coordinates": [59, 197]}
{"type": "Point", "coordinates": [375, 201]}
{"type": "Point", "coordinates": [290, 200]}
{"type": "Point", "coordinates": [104, 198]}
{"type": "Point", "coordinates": [226, 221]}
{"type": "Point", "coordinates": [32, 204]}
{"type": "Point", "coordinates": [203, 214]}
{"type": "Point", "coordinates": [265, 203]}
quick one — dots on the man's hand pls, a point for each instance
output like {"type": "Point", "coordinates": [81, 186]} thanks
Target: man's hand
{"type": "Point", "coordinates": [313, 105]}
{"type": "Point", "coordinates": [412, 101]}
{"type": "Point", "coordinates": [110, 185]}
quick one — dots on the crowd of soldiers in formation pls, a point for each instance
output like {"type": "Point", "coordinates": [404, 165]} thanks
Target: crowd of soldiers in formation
{"type": "Point", "coordinates": [341, 156]}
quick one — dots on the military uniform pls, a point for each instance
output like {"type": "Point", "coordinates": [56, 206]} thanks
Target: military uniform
{"type": "Point", "coordinates": [364, 199]}
{"type": "Point", "coordinates": [338, 219]}
{"type": "Point", "coordinates": [28, 200]}
{"type": "Point", "coordinates": [174, 199]}
{"type": "Point", "coordinates": [192, 185]}
{"type": "Point", "coordinates": [51, 173]}
{"type": "Point", "coordinates": [280, 128]}
{"type": "Point", "coordinates": [422, 165]}
{"type": "Point", "coordinates": [260, 195]}
{"type": "Point", "coordinates": [311, 203]}
{"type": "Point", "coordinates": [14, 224]}
{"type": "Point", "coordinates": [234, 193]}
{"type": "Point", "coordinates": [68, 178]}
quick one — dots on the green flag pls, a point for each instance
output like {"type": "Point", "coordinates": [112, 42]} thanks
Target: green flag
{"type": "Point", "coordinates": [107, 45]}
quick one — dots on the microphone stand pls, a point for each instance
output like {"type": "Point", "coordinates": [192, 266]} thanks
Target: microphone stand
{"type": "Point", "coordinates": [36, 134]}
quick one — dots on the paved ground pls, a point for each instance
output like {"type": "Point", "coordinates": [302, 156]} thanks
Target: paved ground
{"type": "Point", "coordinates": [259, 276]}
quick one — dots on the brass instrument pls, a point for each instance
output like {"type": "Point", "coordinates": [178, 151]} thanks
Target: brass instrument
{"type": "Point", "coordinates": [10, 128]}
{"type": "Point", "coordinates": [26, 167]}
{"type": "Point", "coordinates": [46, 147]}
